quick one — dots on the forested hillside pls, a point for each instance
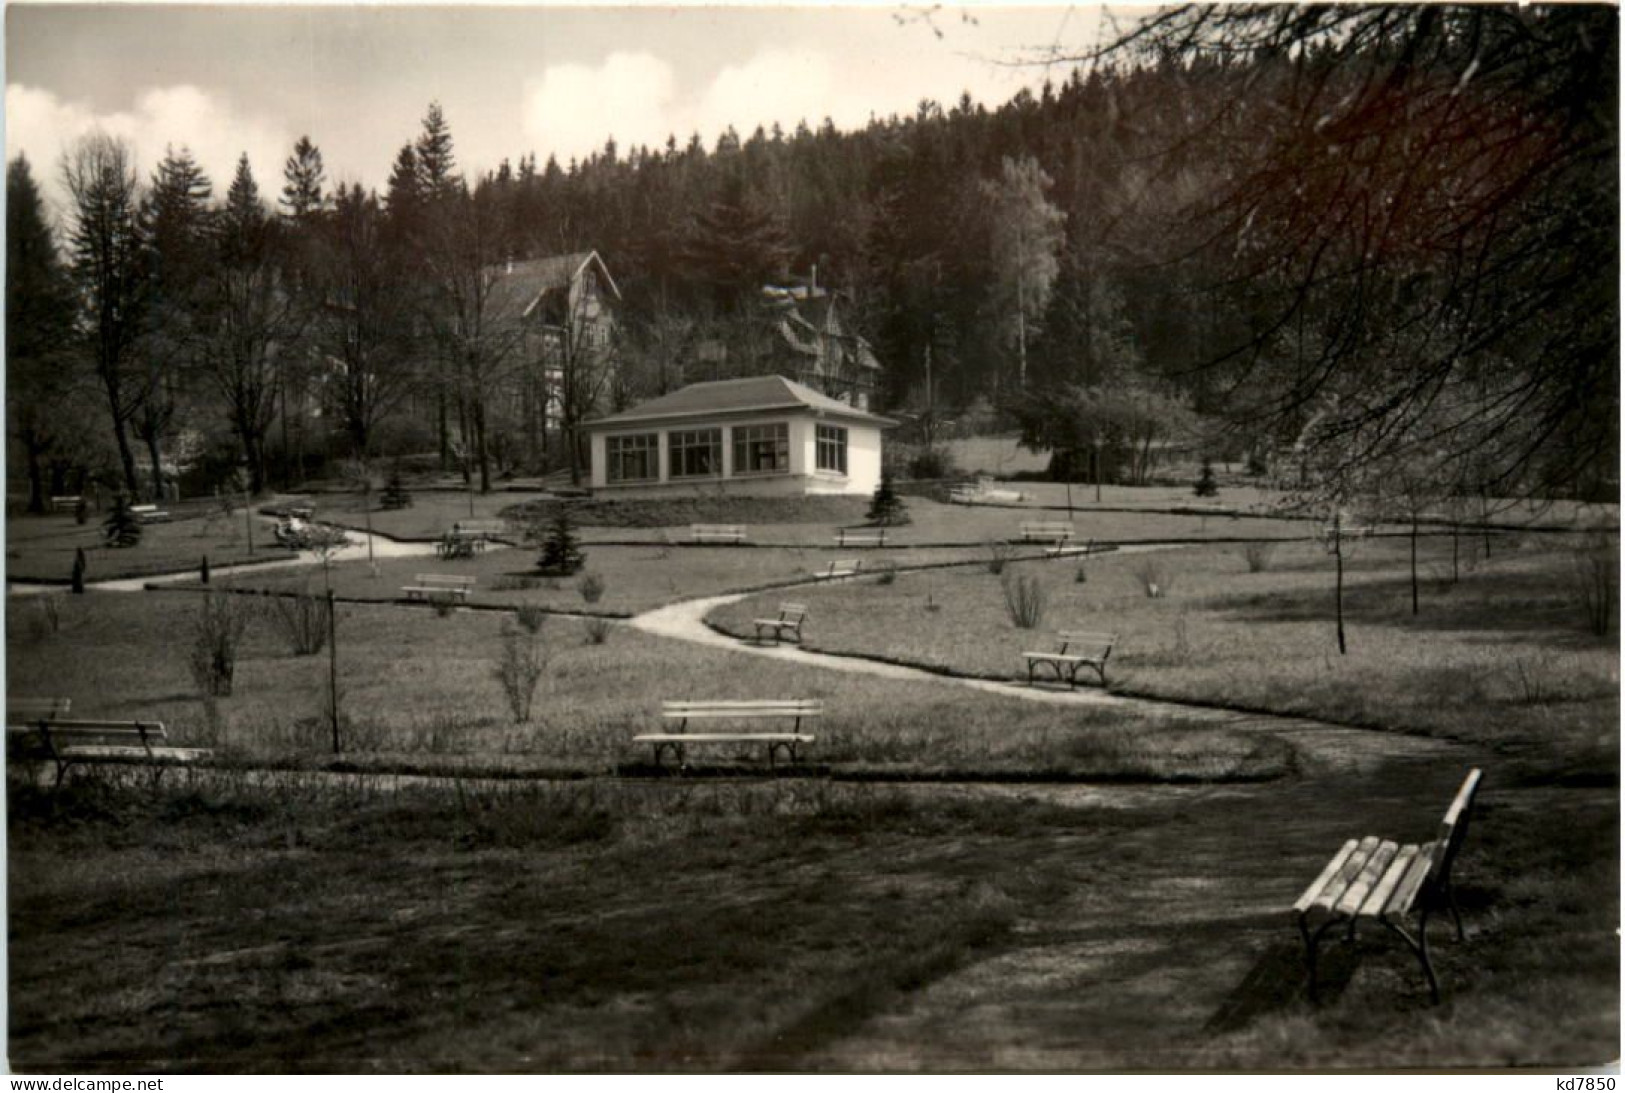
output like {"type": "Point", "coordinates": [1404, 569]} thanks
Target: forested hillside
{"type": "Point", "coordinates": [1384, 234]}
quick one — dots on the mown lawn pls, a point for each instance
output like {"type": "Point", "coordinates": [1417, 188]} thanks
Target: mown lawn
{"type": "Point", "coordinates": [418, 692]}
{"type": "Point", "coordinates": [633, 578]}
{"type": "Point", "coordinates": [42, 547]}
{"type": "Point", "coordinates": [809, 522]}
{"type": "Point", "coordinates": [229, 925]}
{"type": "Point", "coordinates": [1499, 655]}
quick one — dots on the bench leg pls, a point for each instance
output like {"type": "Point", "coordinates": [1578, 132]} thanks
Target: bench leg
{"type": "Point", "coordinates": [1455, 912]}
{"type": "Point", "coordinates": [1311, 941]}
{"type": "Point", "coordinates": [1419, 946]}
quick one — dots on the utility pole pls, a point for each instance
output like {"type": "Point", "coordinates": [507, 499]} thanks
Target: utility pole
{"type": "Point", "coordinates": [333, 666]}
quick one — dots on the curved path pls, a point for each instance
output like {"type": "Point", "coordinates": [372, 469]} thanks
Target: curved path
{"type": "Point", "coordinates": [1321, 746]}
{"type": "Point", "coordinates": [353, 551]}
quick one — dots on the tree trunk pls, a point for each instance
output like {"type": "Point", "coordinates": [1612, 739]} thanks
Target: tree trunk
{"type": "Point", "coordinates": [36, 479]}
{"type": "Point", "coordinates": [1342, 644]}
{"type": "Point", "coordinates": [1414, 606]}
{"type": "Point", "coordinates": [481, 452]}
{"type": "Point", "coordinates": [442, 426]}
{"type": "Point", "coordinates": [132, 481]}
{"type": "Point", "coordinates": [156, 462]}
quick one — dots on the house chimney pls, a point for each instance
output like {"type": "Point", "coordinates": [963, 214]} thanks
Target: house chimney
{"type": "Point", "coordinates": [814, 291]}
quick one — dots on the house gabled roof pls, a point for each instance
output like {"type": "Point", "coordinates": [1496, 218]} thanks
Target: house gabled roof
{"type": "Point", "coordinates": [752, 394]}
{"type": "Point", "coordinates": [517, 287]}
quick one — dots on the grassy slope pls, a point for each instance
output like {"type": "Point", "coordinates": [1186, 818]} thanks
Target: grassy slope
{"type": "Point", "coordinates": [1498, 656]}
{"type": "Point", "coordinates": [420, 688]}
{"type": "Point", "coordinates": [781, 926]}
{"type": "Point", "coordinates": [810, 522]}
{"type": "Point", "coordinates": [635, 578]}
{"type": "Point", "coordinates": [42, 547]}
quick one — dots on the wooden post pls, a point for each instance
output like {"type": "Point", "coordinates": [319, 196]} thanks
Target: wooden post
{"type": "Point", "coordinates": [1415, 607]}
{"type": "Point", "coordinates": [333, 666]}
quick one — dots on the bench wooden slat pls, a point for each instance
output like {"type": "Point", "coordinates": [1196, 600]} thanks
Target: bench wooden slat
{"type": "Point", "coordinates": [1379, 879]}
{"type": "Point", "coordinates": [1371, 872]}
{"type": "Point", "coordinates": [1404, 894]}
{"type": "Point", "coordinates": [29, 710]}
{"type": "Point", "coordinates": [1312, 893]}
{"type": "Point", "coordinates": [769, 712]}
{"type": "Point", "coordinates": [720, 737]}
{"type": "Point", "coordinates": [1383, 892]}
{"type": "Point", "coordinates": [1350, 869]}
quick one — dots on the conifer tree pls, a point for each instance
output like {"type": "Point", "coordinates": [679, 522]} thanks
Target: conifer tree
{"type": "Point", "coordinates": [561, 556]}
{"type": "Point", "coordinates": [887, 509]}
{"type": "Point", "coordinates": [1206, 484]}
{"type": "Point", "coordinates": [395, 494]}
{"type": "Point", "coordinates": [121, 529]}
{"type": "Point", "coordinates": [303, 176]}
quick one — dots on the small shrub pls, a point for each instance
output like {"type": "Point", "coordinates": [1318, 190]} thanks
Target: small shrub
{"type": "Point", "coordinates": [886, 509]}
{"type": "Point", "coordinates": [78, 578]}
{"type": "Point", "coordinates": [1182, 637]}
{"type": "Point", "coordinates": [518, 669]}
{"type": "Point", "coordinates": [1533, 679]}
{"type": "Point", "coordinates": [443, 606]}
{"type": "Point", "coordinates": [304, 620]}
{"type": "Point", "coordinates": [1081, 574]}
{"type": "Point", "coordinates": [530, 618]}
{"type": "Point", "coordinates": [507, 582]}
{"type": "Point", "coordinates": [1206, 484]}
{"type": "Point", "coordinates": [1257, 556]}
{"type": "Point", "coordinates": [121, 528]}
{"type": "Point", "coordinates": [1594, 580]}
{"type": "Point", "coordinates": [561, 555]}
{"type": "Point", "coordinates": [217, 630]}
{"type": "Point", "coordinates": [1023, 601]}
{"type": "Point", "coordinates": [81, 512]}
{"type": "Point", "coordinates": [1154, 577]}
{"type": "Point", "coordinates": [395, 495]}
{"type": "Point", "coordinates": [50, 609]}
{"type": "Point", "coordinates": [886, 573]}
{"type": "Point", "coordinates": [597, 630]}
{"type": "Point", "coordinates": [932, 463]}
{"type": "Point", "coordinates": [591, 587]}
{"type": "Point", "coordinates": [998, 555]}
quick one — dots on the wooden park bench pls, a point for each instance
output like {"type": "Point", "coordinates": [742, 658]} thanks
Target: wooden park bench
{"type": "Point", "coordinates": [432, 586]}
{"type": "Point", "coordinates": [148, 514]}
{"type": "Point", "coordinates": [39, 730]}
{"type": "Point", "coordinates": [66, 504]}
{"type": "Point", "coordinates": [468, 537]}
{"type": "Point", "coordinates": [1079, 649]}
{"type": "Point", "coordinates": [1378, 880]}
{"type": "Point", "coordinates": [481, 531]}
{"type": "Point", "coordinates": [719, 533]}
{"type": "Point", "coordinates": [861, 537]}
{"type": "Point", "coordinates": [843, 567]}
{"type": "Point", "coordinates": [683, 712]}
{"type": "Point", "coordinates": [791, 616]}
{"type": "Point", "coordinates": [1057, 533]}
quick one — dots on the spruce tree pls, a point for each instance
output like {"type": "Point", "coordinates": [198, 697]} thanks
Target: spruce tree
{"type": "Point", "coordinates": [561, 556]}
{"type": "Point", "coordinates": [303, 176]}
{"type": "Point", "coordinates": [121, 528]}
{"type": "Point", "coordinates": [887, 509]}
{"type": "Point", "coordinates": [395, 494]}
{"type": "Point", "coordinates": [1206, 484]}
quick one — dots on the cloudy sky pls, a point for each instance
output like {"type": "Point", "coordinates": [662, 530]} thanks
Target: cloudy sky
{"type": "Point", "coordinates": [226, 79]}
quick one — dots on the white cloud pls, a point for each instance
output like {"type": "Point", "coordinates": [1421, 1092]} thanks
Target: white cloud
{"type": "Point", "coordinates": [574, 108]}
{"type": "Point", "coordinates": [781, 86]}
{"type": "Point", "coordinates": [43, 126]}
